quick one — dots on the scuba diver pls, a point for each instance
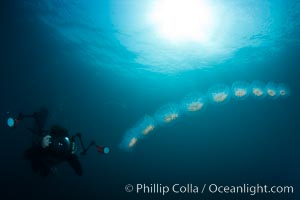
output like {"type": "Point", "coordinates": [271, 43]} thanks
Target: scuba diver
{"type": "Point", "coordinates": [52, 147]}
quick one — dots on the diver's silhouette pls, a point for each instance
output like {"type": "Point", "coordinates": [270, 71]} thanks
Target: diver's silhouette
{"type": "Point", "coordinates": [49, 148]}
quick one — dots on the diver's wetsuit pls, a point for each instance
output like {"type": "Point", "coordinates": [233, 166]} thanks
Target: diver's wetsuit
{"type": "Point", "coordinates": [43, 160]}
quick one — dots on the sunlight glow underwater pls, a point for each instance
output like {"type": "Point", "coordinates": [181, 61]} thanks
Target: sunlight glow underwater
{"type": "Point", "coordinates": [183, 20]}
{"type": "Point", "coordinates": [217, 95]}
{"type": "Point", "coordinates": [172, 36]}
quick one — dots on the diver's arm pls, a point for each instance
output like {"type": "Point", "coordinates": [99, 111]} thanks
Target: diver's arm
{"type": "Point", "coordinates": [75, 164]}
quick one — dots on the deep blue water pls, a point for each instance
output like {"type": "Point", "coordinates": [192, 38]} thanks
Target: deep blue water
{"type": "Point", "coordinates": [96, 82]}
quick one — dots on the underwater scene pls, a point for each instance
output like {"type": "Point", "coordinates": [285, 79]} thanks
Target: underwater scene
{"type": "Point", "coordinates": [150, 99]}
